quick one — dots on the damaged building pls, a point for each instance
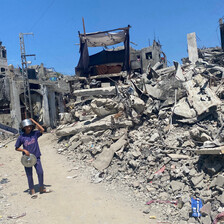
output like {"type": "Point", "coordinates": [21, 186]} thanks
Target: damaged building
{"type": "Point", "coordinates": [156, 130]}
{"type": "Point", "coordinates": [159, 133]}
{"type": "Point", "coordinates": [111, 65]}
{"type": "Point", "coordinates": [47, 89]}
{"type": "Point", "coordinates": [3, 58]}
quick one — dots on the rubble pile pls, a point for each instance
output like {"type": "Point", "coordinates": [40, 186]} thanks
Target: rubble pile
{"type": "Point", "coordinates": [148, 135]}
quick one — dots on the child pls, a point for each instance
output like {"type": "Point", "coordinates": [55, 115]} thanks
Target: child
{"type": "Point", "coordinates": [29, 140]}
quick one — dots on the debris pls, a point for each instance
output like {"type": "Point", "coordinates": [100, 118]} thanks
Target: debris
{"type": "Point", "coordinates": [71, 177]}
{"type": "Point", "coordinates": [16, 216]}
{"type": "Point", "coordinates": [161, 202]}
{"type": "Point", "coordinates": [104, 159]}
{"type": "Point", "coordinates": [218, 218]}
{"type": "Point", "coordinates": [156, 130]}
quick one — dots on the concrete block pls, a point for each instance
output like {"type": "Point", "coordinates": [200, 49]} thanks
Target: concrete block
{"type": "Point", "coordinates": [192, 47]}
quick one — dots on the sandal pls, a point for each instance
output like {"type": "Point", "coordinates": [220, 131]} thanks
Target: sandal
{"type": "Point", "coordinates": [34, 196]}
{"type": "Point", "coordinates": [46, 191]}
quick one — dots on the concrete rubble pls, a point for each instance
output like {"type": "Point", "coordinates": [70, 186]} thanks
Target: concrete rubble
{"type": "Point", "coordinates": [156, 130]}
{"type": "Point", "coordinates": [145, 135]}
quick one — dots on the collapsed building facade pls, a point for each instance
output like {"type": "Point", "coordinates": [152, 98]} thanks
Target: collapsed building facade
{"type": "Point", "coordinates": [47, 89]}
{"type": "Point", "coordinates": [159, 133]}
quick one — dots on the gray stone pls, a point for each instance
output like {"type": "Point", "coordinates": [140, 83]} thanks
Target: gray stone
{"type": "Point", "coordinates": [206, 220]}
{"type": "Point", "coordinates": [74, 138]}
{"type": "Point", "coordinates": [136, 184]}
{"type": "Point", "coordinates": [164, 196]}
{"type": "Point", "coordinates": [133, 163]}
{"type": "Point", "coordinates": [86, 139]}
{"type": "Point", "coordinates": [136, 153]}
{"type": "Point", "coordinates": [154, 137]}
{"type": "Point", "coordinates": [196, 180]}
{"type": "Point", "coordinates": [183, 109]}
{"type": "Point", "coordinates": [146, 210]}
{"type": "Point", "coordinates": [179, 73]}
{"type": "Point", "coordinates": [192, 221]}
{"type": "Point", "coordinates": [162, 114]}
{"type": "Point", "coordinates": [154, 91]}
{"type": "Point", "coordinates": [176, 185]}
{"type": "Point", "coordinates": [206, 209]}
{"type": "Point", "coordinates": [184, 212]}
{"type": "Point", "coordinates": [206, 193]}
{"type": "Point", "coordinates": [183, 222]}
{"type": "Point", "coordinates": [193, 172]}
{"type": "Point", "coordinates": [205, 137]}
{"type": "Point", "coordinates": [137, 104]}
{"type": "Point", "coordinates": [218, 181]}
{"type": "Point", "coordinates": [198, 134]}
{"type": "Point", "coordinates": [75, 145]}
{"type": "Point", "coordinates": [221, 198]}
{"type": "Point", "coordinates": [65, 118]}
{"type": "Point", "coordinates": [185, 170]}
{"type": "Point", "coordinates": [104, 107]}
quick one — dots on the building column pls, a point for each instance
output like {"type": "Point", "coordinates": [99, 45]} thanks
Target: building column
{"type": "Point", "coordinates": [45, 106]}
{"type": "Point", "coordinates": [192, 47]}
{"type": "Point", "coordinates": [52, 107]}
{"type": "Point", "coordinates": [61, 106]}
{"type": "Point", "coordinates": [221, 25]}
{"type": "Point", "coordinates": [15, 109]}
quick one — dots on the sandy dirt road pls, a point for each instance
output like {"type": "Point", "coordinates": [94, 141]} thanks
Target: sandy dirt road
{"type": "Point", "coordinates": [73, 201]}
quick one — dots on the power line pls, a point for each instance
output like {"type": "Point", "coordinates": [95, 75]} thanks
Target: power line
{"type": "Point", "coordinates": [42, 15]}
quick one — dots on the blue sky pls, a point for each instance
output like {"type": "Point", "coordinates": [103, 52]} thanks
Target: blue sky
{"type": "Point", "coordinates": [55, 24]}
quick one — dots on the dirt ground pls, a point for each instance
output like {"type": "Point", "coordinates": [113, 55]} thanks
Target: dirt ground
{"type": "Point", "coordinates": [73, 200]}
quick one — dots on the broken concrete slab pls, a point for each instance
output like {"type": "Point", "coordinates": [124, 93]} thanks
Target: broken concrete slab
{"type": "Point", "coordinates": [106, 91]}
{"type": "Point", "coordinates": [177, 185]}
{"type": "Point", "coordinates": [196, 180]}
{"type": "Point", "coordinates": [179, 73]}
{"type": "Point", "coordinates": [153, 91]}
{"type": "Point", "coordinates": [183, 109]}
{"type": "Point", "coordinates": [218, 181]}
{"type": "Point", "coordinates": [94, 125]}
{"type": "Point", "coordinates": [74, 145]}
{"type": "Point", "coordinates": [104, 107]}
{"type": "Point", "coordinates": [200, 96]}
{"type": "Point", "coordinates": [104, 158]}
{"type": "Point", "coordinates": [178, 156]}
{"type": "Point", "coordinates": [137, 104]}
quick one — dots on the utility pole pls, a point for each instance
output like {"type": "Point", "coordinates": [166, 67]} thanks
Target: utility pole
{"type": "Point", "coordinates": [27, 97]}
{"type": "Point", "coordinates": [221, 25]}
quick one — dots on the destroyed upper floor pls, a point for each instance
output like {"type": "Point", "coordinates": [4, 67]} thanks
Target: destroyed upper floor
{"type": "Point", "coordinates": [117, 59]}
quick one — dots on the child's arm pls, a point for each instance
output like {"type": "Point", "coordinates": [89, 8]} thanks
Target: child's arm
{"type": "Point", "coordinates": [23, 150]}
{"type": "Point", "coordinates": [39, 127]}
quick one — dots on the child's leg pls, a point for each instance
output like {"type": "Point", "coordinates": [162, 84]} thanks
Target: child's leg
{"type": "Point", "coordinates": [40, 173]}
{"type": "Point", "coordinates": [29, 174]}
